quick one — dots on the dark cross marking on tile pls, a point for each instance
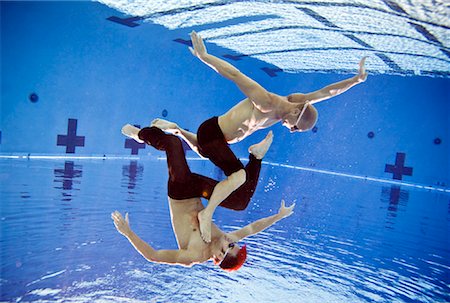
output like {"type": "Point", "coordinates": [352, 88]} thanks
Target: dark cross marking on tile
{"type": "Point", "coordinates": [0, 137]}
{"type": "Point", "coordinates": [134, 145]}
{"type": "Point", "coordinates": [66, 176]}
{"type": "Point", "coordinates": [130, 22]}
{"type": "Point", "coordinates": [394, 6]}
{"type": "Point", "coordinates": [71, 140]}
{"type": "Point", "coordinates": [234, 57]}
{"type": "Point", "coordinates": [394, 195]}
{"type": "Point", "coordinates": [182, 41]}
{"type": "Point", "coordinates": [272, 72]}
{"type": "Point", "coordinates": [399, 169]}
{"type": "Point", "coordinates": [133, 172]}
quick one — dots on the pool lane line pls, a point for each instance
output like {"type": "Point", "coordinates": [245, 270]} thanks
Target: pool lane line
{"type": "Point", "coordinates": [320, 171]}
{"type": "Point", "coordinates": [70, 157]}
{"type": "Point", "coordinates": [367, 178]}
{"type": "Point", "coordinates": [333, 173]}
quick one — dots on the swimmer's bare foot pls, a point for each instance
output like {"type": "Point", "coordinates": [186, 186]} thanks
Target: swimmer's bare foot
{"type": "Point", "coordinates": [165, 125]}
{"type": "Point", "coordinates": [204, 220]}
{"type": "Point", "coordinates": [260, 149]}
{"type": "Point", "coordinates": [132, 132]}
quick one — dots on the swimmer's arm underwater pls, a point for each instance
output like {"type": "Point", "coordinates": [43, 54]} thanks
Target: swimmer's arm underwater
{"type": "Point", "coordinates": [180, 256]}
{"type": "Point", "coordinates": [264, 223]}
{"type": "Point", "coordinates": [257, 94]}
{"type": "Point", "coordinates": [338, 88]}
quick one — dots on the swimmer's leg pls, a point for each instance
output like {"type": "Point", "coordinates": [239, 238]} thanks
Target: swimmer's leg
{"type": "Point", "coordinates": [132, 132]}
{"type": "Point", "coordinates": [173, 128]}
{"type": "Point", "coordinates": [222, 190]}
{"type": "Point", "coordinates": [240, 198]}
{"type": "Point", "coordinates": [178, 168]}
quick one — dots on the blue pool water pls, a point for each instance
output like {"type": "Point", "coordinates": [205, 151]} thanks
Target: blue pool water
{"type": "Point", "coordinates": [348, 240]}
{"type": "Point", "coordinates": [371, 181]}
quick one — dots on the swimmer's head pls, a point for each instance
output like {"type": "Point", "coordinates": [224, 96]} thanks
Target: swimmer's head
{"type": "Point", "coordinates": [227, 253]}
{"type": "Point", "coordinates": [234, 259]}
{"type": "Point", "coordinates": [301, 118]}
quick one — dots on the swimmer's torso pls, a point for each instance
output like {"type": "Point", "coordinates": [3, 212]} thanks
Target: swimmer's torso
{"type": "Point", "coordinates": [184, 221]}
{"type": "Point", "coordinates": [244, 119]}
{"type": "Point", "coordinates": [186, 227]}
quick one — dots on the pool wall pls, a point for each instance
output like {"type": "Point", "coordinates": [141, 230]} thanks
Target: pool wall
{"type": "Point", "coordinates": [71, 80]}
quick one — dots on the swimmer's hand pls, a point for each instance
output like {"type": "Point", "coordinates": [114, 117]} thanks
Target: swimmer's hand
{"type": "Point", "coordinates": [284, 211]}
{"type": "Point", "coordinates": [122, 225]}
{"type": "Point", "coordinates": [198, 49]}
{"type": "Point", "coordinates": [362, 74]}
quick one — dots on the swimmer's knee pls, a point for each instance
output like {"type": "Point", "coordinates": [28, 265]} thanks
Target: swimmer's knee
{"type": "Point", "coordinates": [238, 178]}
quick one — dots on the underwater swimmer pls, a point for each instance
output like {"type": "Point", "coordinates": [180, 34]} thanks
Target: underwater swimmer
{"type": "Point", "coordinates": [199, 186]}
{"type": "Point", "coordinates": [184, 190]}
{"type": "Point", "coordinates": [261, 109]}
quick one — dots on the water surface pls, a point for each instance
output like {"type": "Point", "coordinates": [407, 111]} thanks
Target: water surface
{"type": "Point", "coordinates": [348, 240]}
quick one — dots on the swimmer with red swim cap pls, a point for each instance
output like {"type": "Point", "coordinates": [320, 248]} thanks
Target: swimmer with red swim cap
{"type": "Point", "coordinates": [185, 190]}
{"type": "Point", "coordinates": [223, 249]}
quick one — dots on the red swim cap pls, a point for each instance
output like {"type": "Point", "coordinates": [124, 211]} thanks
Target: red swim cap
{"type": "Point", "coordinates": [232, 263]}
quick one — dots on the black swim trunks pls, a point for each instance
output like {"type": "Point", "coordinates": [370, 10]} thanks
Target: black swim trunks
{"type": "Point", "coordinates": [183, 184]}
{"type": "Point", "coordinates": [212, 144]}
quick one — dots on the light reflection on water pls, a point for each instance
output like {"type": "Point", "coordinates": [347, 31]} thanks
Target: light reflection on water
{"type": "Point", "coordinates": [348, 241]}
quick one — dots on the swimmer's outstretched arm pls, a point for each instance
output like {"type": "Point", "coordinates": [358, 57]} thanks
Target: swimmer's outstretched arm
{"type": "Point", "coordinates": [173, 128]}
{"type": "Point", "coordinates": [179, 257]}
{"type": "Point", "coordinates": [264, 223]}
{"type": "Point", "coordinates": [339, 87]}
{"type": "Point", "coordinates": [255, 92]}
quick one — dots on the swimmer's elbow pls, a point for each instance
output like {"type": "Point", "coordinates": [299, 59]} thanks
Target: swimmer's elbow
{"type": "Point", "coordinates": [174, 257]}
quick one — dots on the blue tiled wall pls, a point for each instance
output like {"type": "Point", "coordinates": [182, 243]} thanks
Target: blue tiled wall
{"type": "Point", "coordinates": [66, 68]}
